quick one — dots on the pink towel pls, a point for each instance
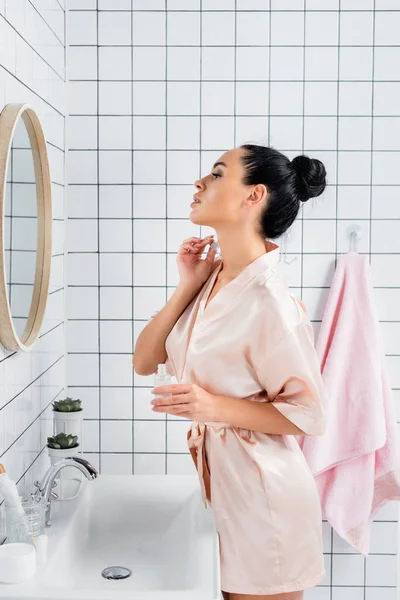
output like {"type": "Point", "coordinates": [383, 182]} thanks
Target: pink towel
{"type": "Point", "coordinates": [355, 462]}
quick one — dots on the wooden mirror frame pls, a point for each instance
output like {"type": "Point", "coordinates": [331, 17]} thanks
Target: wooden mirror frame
{"type": "Point", "coordinates": [8, 121]}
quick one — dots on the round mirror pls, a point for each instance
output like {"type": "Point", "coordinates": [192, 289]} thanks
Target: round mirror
{"type": "Point", "coordinates": [25, 213]}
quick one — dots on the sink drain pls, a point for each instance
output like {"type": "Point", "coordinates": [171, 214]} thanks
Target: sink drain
{"type": "Point", "coordinates": [116, 573]}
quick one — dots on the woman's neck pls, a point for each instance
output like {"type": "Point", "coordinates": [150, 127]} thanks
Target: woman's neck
{"type": "Point", "coordinates": [238, 251]}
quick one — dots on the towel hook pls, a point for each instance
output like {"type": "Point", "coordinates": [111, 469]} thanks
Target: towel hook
{"type": "Point", "coordinates": [355, 236]}
{"type": "Point", "coordinates": [286, 237]}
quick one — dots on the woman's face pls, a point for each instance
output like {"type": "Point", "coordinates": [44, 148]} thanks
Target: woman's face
{"type": "Point", "coordinates": [223, 198]}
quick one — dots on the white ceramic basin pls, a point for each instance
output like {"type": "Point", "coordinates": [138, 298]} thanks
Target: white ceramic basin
{"type": "Point", "coordinates": [156, 526]}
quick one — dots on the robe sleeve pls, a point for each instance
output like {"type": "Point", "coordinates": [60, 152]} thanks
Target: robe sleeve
{"type": "Point", "coordinates": [290, 374]}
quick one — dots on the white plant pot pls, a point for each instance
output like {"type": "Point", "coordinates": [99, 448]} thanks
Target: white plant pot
{"type": "Point", "coordinates": [69, 480]}
{"type": "Point", "coordinates": [58, 454]}
{"type": "Point", "coordinates": [68, 422]}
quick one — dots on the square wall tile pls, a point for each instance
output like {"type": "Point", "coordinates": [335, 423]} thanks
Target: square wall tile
{"type": "Point", "coordinates": [148, 63]}
{"type": "Point", "coordinates": [355, 63]}
{"type": "Point", "coordinates": [115, 268]}
{"type": "Point", "coordinates": [82, 303]}
{"type": "Point", "coordinates": [217, 98]}
{"type": "Point", "coordinates": [115, 63]}
{"type": "Point", "coordinates": [287, 28]}
{"type": "Point", "coordinates": [116, 403]}
{"type": "Point", "coordinates": [183, 133]}
{"type": "Point", "coordinates": [149, 201]}
{"type": "Point", "coordinates": [83, 369]}
{"type": "Point", "coordinates": [116, 336]}
{"type": "Point", "coordinates": [356, 28]}
{"type": "Point", "coordinates": [82, 166]}
{"type": "Point", "coordinates": [322, 28]}
{"type": "Point", "coordinates": [252, 98]}
{"type": "Point", "coordinates": [115, 133]}
{"type": "Point", "coordinates": [251, 130]}
{"type": "Point", "coordinates": [81, 201]}
{"type": "Point", "coordinates": [90, 436]}
{"type": "Point", "coordinates": [321, 63]}
{"type": "Point", "coordinates": [149, 464]}
{"type": "Point", "coordinates": [149, 133]}
{"type": "Point", "coordinates": [180, 464]}
{"type": "Point", "coordinates": [183, 97]}
{"type": "Point", "coordinates": [82, 235]}
{"type": "Point", "coordinates": [252, 63]}
{"type": "Point", "coordinates": [149, 235]}
{"type": "Point", "coordinates": [114, 28]}
{"type": "Point", "coordinates": [252, 28]}
{"type": "Point", "coordinates": [115, 201]}
{"type": "Point", "coordinates": [115, 235]}
{"type": "Point", "coordinates": [182, 167]}
{"type": "Point", "coordinates": [177, 436]}
{"type": "Point", "coordinates": [149, 29]}
{"type": "Point", "coordinates": [148, 98]}
{"type": "Point", "coordinates": [217, 132]}
{"type": "Point", "coordinates": [149, 436]}
{"type": "Point", "coordinates": [355, 98]}
{"type": "Point", "coordinates": [116, 464]}
{"type": "Point", "coordinates": [116, 436]}
{"type": "Point", "coordinates": [147, 301]}
{"type": "Point", "coordinates": [183, 64]}
{"type": "Point", "coordinates": [149, 269]}
{"type": "Point", "coordinates": [82, 97]}
{"type": "Point", "coordinates": [116, 370]}
{"type": "Point", "coordinates": [286, 98]}
{"type": "Point", "coordinates": [82, 269]}
{"type": "Point", "coordinates": [115, 166]}
{"type": "Point", "coordinates": [218, 29]}
{"type": "Point", "coordinates": [217, 64]}
{"type": "Point", "coordinates": [183, 29]}
{"type": "Point", "coordinates": [82, 28]}
{"type": "Point", "coordinates": [82, 336]}
{"type": "Point", "coordinates": [149, 167]}
{"type": "Point", "coordinates": [115, 303]}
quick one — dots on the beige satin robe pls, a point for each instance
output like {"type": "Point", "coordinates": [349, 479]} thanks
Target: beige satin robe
{"type": "Point", "coordinates": [254, 341]}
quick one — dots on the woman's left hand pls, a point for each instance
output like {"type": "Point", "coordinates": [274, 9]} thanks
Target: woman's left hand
{"type": "Point", "coordinates": [185, 400]}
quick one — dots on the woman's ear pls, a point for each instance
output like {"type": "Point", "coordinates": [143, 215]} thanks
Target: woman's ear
{"type": "Point", "coordinates": [258, 194]}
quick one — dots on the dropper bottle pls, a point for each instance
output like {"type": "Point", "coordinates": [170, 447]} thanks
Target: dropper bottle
{"type": "Point", "coordinates": [162, 377]}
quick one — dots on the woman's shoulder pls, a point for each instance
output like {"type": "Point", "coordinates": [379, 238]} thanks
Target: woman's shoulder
{"type": "Point", "coordinates": [276, 303]}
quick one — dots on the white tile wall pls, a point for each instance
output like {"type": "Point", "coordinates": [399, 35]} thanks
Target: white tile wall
{"type": "Point", "coordinates": [32, 70]}
{"type": "Point", "coordinates": [158, 89]}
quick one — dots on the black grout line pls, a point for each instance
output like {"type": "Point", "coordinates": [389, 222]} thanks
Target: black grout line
{"type": "Point", "coordinates": [239, 10]}
{"type": "Point", "coordinates": [33, 49]}
{"type": "Point", "coordinates": [166, 195]}
{"type": "Point", "coordinates": [309, 150]}
{"type": "Point", "coordinates": [133, 232]}
{"type": "Point", "coordinates": [352, 81]}
{"type": "Point", "coordinates": [63, 43]}
{"type": "Point", "coordinates": [98, 225]}
{"type": "Point", "coordinates": [255, 46]}
{"type": "Point", "coordinates": [32, 422]}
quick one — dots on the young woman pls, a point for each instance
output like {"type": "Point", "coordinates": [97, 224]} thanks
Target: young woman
{"type": "Point", "coordinates": [241, 347]}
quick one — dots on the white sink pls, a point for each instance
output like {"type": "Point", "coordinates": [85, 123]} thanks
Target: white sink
{"type": "Point", "coordinates": [156, 526]}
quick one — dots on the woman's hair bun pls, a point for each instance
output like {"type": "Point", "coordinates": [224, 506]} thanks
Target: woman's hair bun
{"type": "Point", "coordinates": [310, 177]}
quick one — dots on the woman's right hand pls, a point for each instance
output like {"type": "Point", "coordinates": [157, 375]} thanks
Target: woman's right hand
{"type": "Point", "coordinates": [193, 269]}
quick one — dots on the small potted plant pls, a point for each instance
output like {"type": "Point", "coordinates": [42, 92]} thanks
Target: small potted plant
{"type": "Point", "coordinates": [61, 446]}
{"type": "Point", "coordinates": [68, 416]}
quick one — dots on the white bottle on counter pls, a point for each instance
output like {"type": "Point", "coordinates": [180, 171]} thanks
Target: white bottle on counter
{"type": "Point", "coordinates": [161, 378]}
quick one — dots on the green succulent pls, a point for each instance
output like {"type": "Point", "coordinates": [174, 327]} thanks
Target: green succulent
{"type": "Point", "coordinates": [67, 405]}
{"type": "Point", "coordinates": [61, 441]}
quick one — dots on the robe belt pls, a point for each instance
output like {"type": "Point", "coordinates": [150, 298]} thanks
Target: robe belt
{"type": "Point", "coordinates": [196, 437]}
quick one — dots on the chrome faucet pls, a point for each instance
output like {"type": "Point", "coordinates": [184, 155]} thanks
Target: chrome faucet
{"type": "Point", "coordinates": [45, 486]}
